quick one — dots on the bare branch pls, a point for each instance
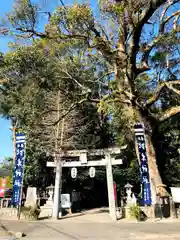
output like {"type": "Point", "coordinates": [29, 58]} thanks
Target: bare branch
{"type": "Point", "coordinates": [145, 16]}
{"type": "Point", "coordinates": [169, 113]}
{"type": "Point", "coordinates": [173, 76]}
{"type": "Point", "coordinates": [75, 80]}
{"type": "Point", "coordinates": [147, 51]}
{"type": "Point", "coordinates": [128, 102]}
{"type": "Point", "coordinates": [4, 30]}
{"type": "Point", "coordinates": [166, 7]}
{"type": "Point", "coordinates": [32, 31]}
{"type": "Point", "coordinates": [99, 79]}
{"type": "Point", "coordinates": [155, 96]}
{"type": "Point", "coordinates": [177, 13]}
{"type": "Point", "coordinates": [93, 100]}
{"type": "Point", "coordinates": [175, 23]}
{"type": "Point", "coordinates": [72, 107]}
{"type": "Point", "coordinates": [170, 84]}
{"type": "Point", "coordinates": [166, 20]}
{"type": "Point", "coordinates": [46, 36]}
{"type": "Point", "coordinates": [144, 60]}
{"type": "Point", "coordinates": [62, 3]}
{"type": "Point", "coordinates": [47, 13]}
{"type": "Point", "coordinates": [159, 89]}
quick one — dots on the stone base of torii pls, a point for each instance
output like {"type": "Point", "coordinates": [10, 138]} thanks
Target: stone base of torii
{"type": "Point", "coordinates": [108, 157]}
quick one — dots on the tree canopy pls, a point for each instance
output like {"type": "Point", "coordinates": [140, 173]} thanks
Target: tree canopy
{"type": "Point", "coordinates": [123, 61]}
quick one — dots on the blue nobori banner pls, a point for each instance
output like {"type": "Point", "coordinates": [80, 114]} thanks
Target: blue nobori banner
{"type": "Point", "coordinates": [144, 169]}
{"type": "Point", "coordinates": [18, 169]}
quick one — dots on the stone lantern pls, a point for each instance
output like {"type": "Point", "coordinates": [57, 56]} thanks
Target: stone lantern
{"type": "Point", "coordinates": [50, 190]}
{"type": "Point", "coordinates": [48, 206]}
{"type": "Point", "coordinates": [130, 199]}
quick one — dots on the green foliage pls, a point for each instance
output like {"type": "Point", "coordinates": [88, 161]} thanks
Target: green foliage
{"type": "Point", "coordinates": [70, 56]}
{"type": "Point", "coordinates": [32, 212]}
{"type": "Point", "coordinates": [159, 56]}
{"type": "Point", "coordinates": [35, 75]}
{"type": "Point", "coordinates": [23, 14]}
{"type": "Point", "coordinates": [36, 173]}
{"type": "Point", "coordinates": [7, 163]}
{"type": "Point", "coordinates": [76, 19]}
{"type": "Point", "coordinates": [167, 142]}
{"type": "Point", "coordinates": [135, 211]}
{"type": "Point", "coordinates": [112, 7]}
{"type": "Point", "coordinates": [129, 172]}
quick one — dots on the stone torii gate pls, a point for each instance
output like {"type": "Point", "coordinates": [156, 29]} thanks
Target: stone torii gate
{"type": "Point", "coordinates": [79, 158]}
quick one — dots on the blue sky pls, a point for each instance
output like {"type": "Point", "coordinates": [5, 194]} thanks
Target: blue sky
{"type": "Point", "coordinates": [6, 145]}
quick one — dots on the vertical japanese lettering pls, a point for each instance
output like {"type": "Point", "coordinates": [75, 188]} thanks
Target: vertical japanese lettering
{"type": "Point", "coordinates": [144, 171]}
{"type": "Point", "coordinates": [18, 169]}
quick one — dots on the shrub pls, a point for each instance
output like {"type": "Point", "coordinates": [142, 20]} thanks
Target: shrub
{"type": "Point", "coordinates": [32, 212]}
{"type": "Point", "coordinates": [135, 211]}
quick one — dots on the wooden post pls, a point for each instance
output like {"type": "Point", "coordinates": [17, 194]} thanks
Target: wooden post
{"type": "Point", "coordinates": [14, 144]}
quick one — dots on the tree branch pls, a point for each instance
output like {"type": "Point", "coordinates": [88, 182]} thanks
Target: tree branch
{"type": "Point", "coordinates": [44, 35]}
{"type": "Point", "coordinates": [175, 23]}
{"type": "Point", "coordinates": [75, 80]}
{"type": "Point", "coordinates": [70, 109]}
{"type": "Point", "coordinates": [167, 19]}
{"type": "Point", "coordinates": [170, 84]}
{"type": "Point", "coordinates": [159, 89]}
{"type": "Point", "coordinates": [166, 7]}
{"type": "Point", "coordinates": [149, 47]}
{"type": "Point", "coordinates": [169, 113]}
{"type": "Point", "coordinates": [155, 96]}
{"type": "Point", "coordinates": [99, 79]}
{"type": "Point", "coordinates": [32, 31]}
{"type": "Point", "coordinates": [145, 16]}
{"type": "Point", "coordinates": [62, 3]}
{"type": "Point", "coordinates": [87, 99]}
{"type": "Point", "coordinates": [147, 51]}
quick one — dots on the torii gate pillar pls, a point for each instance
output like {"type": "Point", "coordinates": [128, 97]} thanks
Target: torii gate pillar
{"type": "Point", "coordinates": [110, 186]}
{"type": "Point", "coordinates": [57, 191]}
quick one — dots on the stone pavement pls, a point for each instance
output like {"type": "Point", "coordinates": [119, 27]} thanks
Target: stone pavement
{"type": "Point", "coordinates": [4, 234]}
{"type": "Point", "coordinates": [95, 227]}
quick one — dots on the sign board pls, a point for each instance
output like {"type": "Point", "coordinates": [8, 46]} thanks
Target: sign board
{"type": "Point", "coordinates": [65, 200]}
{"type": "Point", "coordinates": [175, 194]}
{"type": "Point", "coordinates": [31, 197]}
{"type": "Point", "coordinates": [92, 172]}
{"type": "Point", "coordinates": [144, 169]}
{"type": "Point", "coordinates": [2, 191]}
{"type": "Point", "coordinates": [3, 184]}
{"type": "Point", "coordinates": [73, 172]}
{"type": "Point", "coordinates": [83, 158]}
{"type": "Point", "coordinates": [18, 169]}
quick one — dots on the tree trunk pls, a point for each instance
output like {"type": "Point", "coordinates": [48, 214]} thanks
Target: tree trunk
{"type": "Point", "coordinates": [126, 85]}
{"type": "Point", "coordinates": [156, 181]}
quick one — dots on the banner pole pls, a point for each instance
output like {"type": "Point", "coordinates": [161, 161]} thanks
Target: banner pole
{"type": "Point", "coordinates": [18, 177]}
{"type": "Point", "coordinates": [21, 191]}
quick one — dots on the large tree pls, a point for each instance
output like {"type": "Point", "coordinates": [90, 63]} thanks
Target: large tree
{"type": "Point", "coordinates": [127, 35]}
{"type": "Point", "coordinates": [40, 86]}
